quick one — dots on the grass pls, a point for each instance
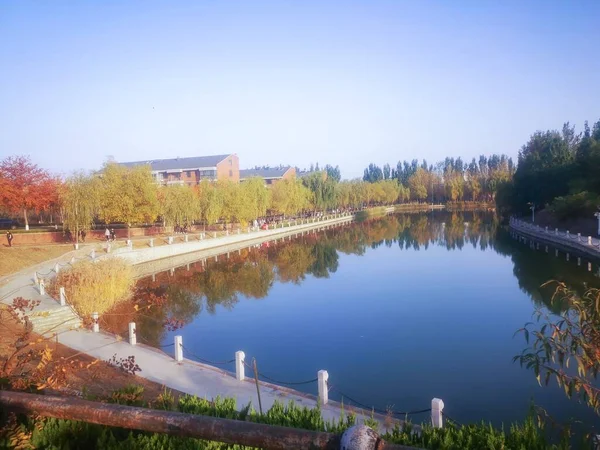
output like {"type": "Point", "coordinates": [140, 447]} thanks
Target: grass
{"type": "Point", "coordinates": [13, 259]}
{"type": "Point", "coordinates": [96, 286]}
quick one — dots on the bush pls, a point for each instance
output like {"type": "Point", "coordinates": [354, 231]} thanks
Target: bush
{"type": "Point", "coordinates": [96, 286]}
{"type": "Point", "coordinates": [575, 205]}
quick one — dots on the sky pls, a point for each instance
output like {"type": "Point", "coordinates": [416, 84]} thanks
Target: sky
{"type": "Point", "coordinates": [335, 82]}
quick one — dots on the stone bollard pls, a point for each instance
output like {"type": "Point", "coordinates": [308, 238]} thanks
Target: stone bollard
{"type": "Point", "coordinates": [153, 277]}
{"type": "Point", "coordinates": [95, 324]}
{"type": "Point", "coordinates": [568, 257]}
{"type": "Point", "coordinates": [35, 278]}
{"type": "Point", "coordinates": [578, 237]}
{"type": "Point", "coordinates": [216, 258]}
{"type": "Point", "coordinates": [589, 240]}
{"type": "Point", "coordinates": [132, 337]}
{"type": "Point", "coordinates": [322, 377]}
{"type": "Point", "coordinates": [56, 268]}
{"type": "Point", "coordinates": [214, 234]}
{"type": "Point", "coordinates": [185, 238]}
{"type": "Point", "coordinates": [568, 235]}
{"type": "Point", "coordinates": [437, 406]}
{"type": "Point", "coordinates": [129, 243]}
{"type": "Point", "coordinates": [240, 374]}
{"type": "Point", "coordinates": [42, 287]}
{"type": "Point", "coordinates": [172, 271]}
{"type": "Point", "coordinates": [151, 242]}
{"type": "Point", "coordinates": [108, 247]}
{"type": "Point", "coordinates": [178, 348]}
{"type": "Point", "coordinates": [578, 261]}
{"type": "Point", "coordinates": [226, 232]}
{"type": "Point", "coordinates": [556, 252]}
{"type": "Point", "coordinates": [360, 437]}
{"type": "Point", "coordinates": [93, 254]}
{"type": "Point", "coordinates": [170, 240]}
{"type": "Point", "coordinates": [62, 296]}
{"type": "Point", "coordinates": [589, 267]}
{"type": "Point", "coordinates": [72, 260]}
{"type": "Point", "coordinates": [188, 267]}
{"type": "Point", "coordinates": [238, 231]}
{"type": "Point", "coordinates": [546, 230]}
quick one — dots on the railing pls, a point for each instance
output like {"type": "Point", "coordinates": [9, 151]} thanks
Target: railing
{"type": "Point", "coordinates": [564, 237]}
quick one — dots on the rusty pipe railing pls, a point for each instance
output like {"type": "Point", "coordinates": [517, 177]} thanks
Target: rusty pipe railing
{"type": "Point", "coordinates": [268, 437]}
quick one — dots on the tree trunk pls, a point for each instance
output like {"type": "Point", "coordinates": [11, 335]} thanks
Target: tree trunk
{"type": "Point", "coordinates": [128, 231]}
{"type": "Point", "coordinates": [25, 216]}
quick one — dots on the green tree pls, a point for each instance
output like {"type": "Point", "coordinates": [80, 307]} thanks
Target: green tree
{"type": "Point", "coordinates": [257, 197]}
{"type": "Point", "coordinates": [211, 202]}
{"type": "Point", "coordinates": [179, 205]}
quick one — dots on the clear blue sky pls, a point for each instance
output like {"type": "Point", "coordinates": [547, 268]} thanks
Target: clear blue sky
{"type": "Point", "coordinates": [287, 82]}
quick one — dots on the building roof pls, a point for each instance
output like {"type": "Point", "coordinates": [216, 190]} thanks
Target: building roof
{"type": "Point", "coordinates": [194, 162]}
{"type": "Point", "coordinates": [263, 173]}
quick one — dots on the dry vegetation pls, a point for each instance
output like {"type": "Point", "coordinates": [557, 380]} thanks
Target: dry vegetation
{"type": "Point", "coordinates": [17, 258]}
{"type": "Point", "coordinates": [96, 286]}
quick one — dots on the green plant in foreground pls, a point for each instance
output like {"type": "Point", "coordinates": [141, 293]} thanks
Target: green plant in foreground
{"type": "Point", "coordinates": [69, 434]}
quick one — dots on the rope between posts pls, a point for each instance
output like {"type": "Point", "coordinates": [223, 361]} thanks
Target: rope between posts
{"type": "Point", "coordinates": [206, 361]}
{"type": "Point", "coordinates": [451, 420]}
{"type": "Point", "coordinates": [288, 383]}
{"type": "Point", "coordinates": [380, 411]}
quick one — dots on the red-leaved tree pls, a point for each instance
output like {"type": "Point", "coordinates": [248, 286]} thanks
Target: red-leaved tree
{"type": "Point", "coordinates": [25, 186]}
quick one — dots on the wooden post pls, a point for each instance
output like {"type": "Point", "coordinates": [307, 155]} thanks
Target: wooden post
{"type": "Point", "coordinates": [257, 387]}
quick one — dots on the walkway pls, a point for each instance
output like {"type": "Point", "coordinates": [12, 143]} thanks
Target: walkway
{"type": "Point", "coordinates": [584, 244]}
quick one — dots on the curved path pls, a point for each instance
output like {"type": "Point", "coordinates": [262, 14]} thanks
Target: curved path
{"type": "Point", "coordinates": [584, 244]}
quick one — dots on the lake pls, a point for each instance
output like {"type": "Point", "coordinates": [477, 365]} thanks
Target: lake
{"type": "Point", "coordinates": [398, 309]}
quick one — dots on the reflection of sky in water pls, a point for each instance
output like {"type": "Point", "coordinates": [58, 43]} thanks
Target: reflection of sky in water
{"type": "Point", "coordinates": [399, 326]}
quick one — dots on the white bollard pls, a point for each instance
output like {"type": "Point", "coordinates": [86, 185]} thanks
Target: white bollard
{"type": "Point", "coordinates": [546, 229]}
{"type": "Point", "coordinates": [56, 268]}
{"type": "Point", "coordinates": [226, 232]}
{"type": "Point", "coordinates": [555, 252]}
{"type": "Point", "coordinates": [568, 256]}
{"type": "Point", "coordinates": [217, 258]}
{"type": "Point", "coordinates": [151, 242]}
{"type": "Point", "coordinates": [214, 234]}
{"type": "Point", "coordinates": [322, 377]}
{"type": "Point", "coordinates": [172, 271]}
{"type": "Point", "coordinates": [437, 406]}
{"type": "Point", "coordinates": [170, 240]}
{"type": "Point", "coordinates": [589, 267]}
{"type": "Point", "coordinates": [188, 267]}
{"type": "Point", "coordinates": [63, 298]}
{"type": "Point", "coordinates": [153, 277]}
{"type": "Point", "coordinates": [72, 260]}
{"type": "Point", "coordinates": [128, 243]}
{"type": "Point", "coordinates": [93, 254]}
{"type": "Point", "coordinates": [178, 348]}
{"type": "Point", "coordinates": [568, 234]}
{"type": "Point", "coordinates": [240, 374]}
{"type": "Point", "coordinates": [35, 278]}
{"type": "Point", "coordinates": [95, 324]}
{"type": "Point", "coordinates": [589, 240]}
{"type": "Point", "coordinates": [108, 247]}
{"type": "Point", "coordinates": [42, 287]}
{"type": "Point", "coordinates": [578, 237]}
{"type": "Point", "coordinates": [556, 231]}
{"type": "Point", "coordinates": [185, 238]}
{"type": "Point", "coordinates": [201, 236]}
{"type": "Point", "coordinates": [238, 231]}
{"type": "Point", "coordinates": [132, 338]}
{"type": "Point", "coordinates": [578, 261]}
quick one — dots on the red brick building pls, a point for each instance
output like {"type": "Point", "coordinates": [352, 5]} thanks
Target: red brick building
{"type": "Point", "coordinates": [192, 170]}
{"type": "Point", "coordinates": [269, 175]}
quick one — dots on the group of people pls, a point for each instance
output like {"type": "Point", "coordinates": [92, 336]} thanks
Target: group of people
{"type": "Point", "coordinates": [181, 229]}
{"type": "Point", "coordinates": [110, 235]}
{"type": "Point", "coordinates": [69, 236]}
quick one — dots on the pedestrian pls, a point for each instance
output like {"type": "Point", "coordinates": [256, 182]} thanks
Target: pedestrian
{"type": "Point", "coordinates": [113, 235]}
{"type": "Point", "coordinates": [107, 234]}
{"type": "Point", "coordinates": [82, 235]}
{"type": "Point", "coordinates": [9, 238]}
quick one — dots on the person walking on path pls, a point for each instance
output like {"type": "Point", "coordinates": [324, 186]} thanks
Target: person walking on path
{"type": "Point", "coordinates": [113, 235]}
{"type": "Point", "coordinates": [107, 234]}
{"type": "Point", "coordinates": [9, 238]}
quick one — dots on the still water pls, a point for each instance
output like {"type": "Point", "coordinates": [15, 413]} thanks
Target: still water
{"type": "Point", "coordinates": [398, 309]}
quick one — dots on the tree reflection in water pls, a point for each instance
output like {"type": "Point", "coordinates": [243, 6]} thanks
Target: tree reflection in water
{"type": "Point", "coordinates": [251, 273]}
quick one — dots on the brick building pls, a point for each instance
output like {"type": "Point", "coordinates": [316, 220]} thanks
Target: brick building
{"type": "Point", "coordinates": [269, 175]}
{"type": "Point", "coordinates": [192, 170]}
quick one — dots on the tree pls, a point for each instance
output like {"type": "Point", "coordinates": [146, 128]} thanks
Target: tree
{"type": "Point", "coordinates": [26, 186]}
{"type": "Point", "coordinates": [257, 197]}
{"type": "Point", "coordinates": [322, 188]}
{"type": "Point", "coordinates": [179, 205]}
{"type": "Point", "coordinates": [373, 173]}
{"type": "Point", "coordinates": [386, 171]}
{"type": "Point", "coordinates": [128, 195]}
{"type": "Point", "coordinates": [211, 202]}
{"type": "Point", "coordinates": [289, 197]}
{"type": "Point", "coordinates": [333, 173]}
{"type": "Point", "coordinates": [418, 184]}
{"type": "Point", "coordinates": [79, 199]}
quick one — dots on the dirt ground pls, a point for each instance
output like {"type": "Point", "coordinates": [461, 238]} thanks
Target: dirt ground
{"type": "Point", "coordinates": [99, 381]}
{"type": "Point", "coordinates": [13, 259]}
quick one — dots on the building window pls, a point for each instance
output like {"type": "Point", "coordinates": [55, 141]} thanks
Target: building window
{"type": "Point", "coordinates": [230, 172]}
{"type": "Point", "coordinates": [188, 173]}
{"type": "Point", "coordinates": [231, 162]}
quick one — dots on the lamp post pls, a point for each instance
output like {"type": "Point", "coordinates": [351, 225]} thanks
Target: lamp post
{"type": "Point", "coordinates": [532, 208]}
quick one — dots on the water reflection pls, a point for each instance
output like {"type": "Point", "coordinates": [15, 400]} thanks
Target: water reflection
{"type": "Point", "coordinates": [173, 298]}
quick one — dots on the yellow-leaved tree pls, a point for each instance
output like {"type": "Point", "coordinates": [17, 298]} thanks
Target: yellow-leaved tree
{"type": "Point", "coordinates": [79, 197]}
{"type": "Point", "coordinates": [128, 195]}
{"type": "Point", "coordinates": [179, 205]}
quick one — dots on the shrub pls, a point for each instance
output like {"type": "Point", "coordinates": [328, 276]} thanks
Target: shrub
{"type": "Point", "coordinates": [96, 286]}
{"type": "Point", "coordinates": [575, 205]}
